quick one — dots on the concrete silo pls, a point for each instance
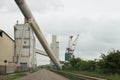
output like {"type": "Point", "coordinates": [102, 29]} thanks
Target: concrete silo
{"type": "Point", "coordinates": [25, 56]}
{"type": "Point", "coordinates": [55, 48]}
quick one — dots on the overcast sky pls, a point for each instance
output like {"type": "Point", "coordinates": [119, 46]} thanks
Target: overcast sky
{"type": "Point", "coordinates": [96, 21]}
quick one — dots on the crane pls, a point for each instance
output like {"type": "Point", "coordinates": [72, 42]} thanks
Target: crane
{"type": "Point", "coordinates": [71, 48]}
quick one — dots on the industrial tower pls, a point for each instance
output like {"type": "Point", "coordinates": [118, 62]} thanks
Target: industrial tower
{"type": "Point", "coordinates": [24, 47]}
{"type": "Point", "coordinates": [55, 48]}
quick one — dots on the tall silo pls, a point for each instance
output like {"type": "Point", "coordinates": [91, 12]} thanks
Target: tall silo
{"type": "Point", "coordinates": [24, 46]}
{"type": "Point", "coordinates": [55, 48]}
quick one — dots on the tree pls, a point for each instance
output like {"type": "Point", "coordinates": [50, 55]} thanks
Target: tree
{"type": "Point", "coordinates": [75, 63]}
{"type": "Point", "coordinates": [110, 63]}
{"type": "Point", "coordinates": [78, 64]}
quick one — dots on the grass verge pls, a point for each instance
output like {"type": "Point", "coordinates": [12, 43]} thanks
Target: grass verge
{"type": "Point", "coordinates": [17, 75]}
{"type": "Point", "coordinates": [68, 76]}
{"type": "Point", "coordinates": [95, 74]}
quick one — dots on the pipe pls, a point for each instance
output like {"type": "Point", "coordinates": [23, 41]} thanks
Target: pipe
{"type": "Point", "coordinates": [28, 15]}
{"type": "Point", "coordinates": [41, 52]}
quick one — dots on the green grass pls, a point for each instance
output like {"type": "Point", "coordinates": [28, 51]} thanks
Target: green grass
{"type": "Point", "coordinates": [113, 77]}
{"type": "Point", "coordinates": [99, 75]}
{"type": "Point", "coordinates": [68, 76]}
{"type": "Point", "coordinates": [105, 76]}
{"type": "Point", "coordinates": [94, 74]}
{"type": "Point", "coordinates": [18, 75]}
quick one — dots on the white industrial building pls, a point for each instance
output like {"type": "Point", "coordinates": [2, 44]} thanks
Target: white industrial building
{"type": "Point", "coordinates": [21, 51]}
{"type": "Point", "coordinates": [18, 54]}
{"type": "Point", "coordinates": [24, 46]}
{"type": "Point", "coordinates": [55, 48]}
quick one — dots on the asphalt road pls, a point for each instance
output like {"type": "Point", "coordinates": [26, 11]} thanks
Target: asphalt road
{"type": "Point", "coordinates": [43, 74]}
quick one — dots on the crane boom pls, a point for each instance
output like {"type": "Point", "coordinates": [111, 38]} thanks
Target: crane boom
{"type": "Point", "coordinates": [71, 48]}
{"type": "Point", "coordinates": [33, 24]}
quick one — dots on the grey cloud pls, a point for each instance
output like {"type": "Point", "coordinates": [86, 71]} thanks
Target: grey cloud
{"type": "Point", "coordinates": [8, 6]}
{"type": "Point", "coordinates": [44, 5]}
{"type": "Point", "coordinates": [96, 37]}
{"type": "Point", "coordinates": [67, 26]}
{"type": "Point", "coordinates": [2, 2]}
{"type": "Point", "coordinates": [35, 5]}
{"type": "Point", "coordinates": [103, 31]}
{"type": "Point", "coordinates": [108, 31]}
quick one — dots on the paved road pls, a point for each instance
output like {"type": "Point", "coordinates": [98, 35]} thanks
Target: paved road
{"type": "Point", "coordinates": [43, 74]}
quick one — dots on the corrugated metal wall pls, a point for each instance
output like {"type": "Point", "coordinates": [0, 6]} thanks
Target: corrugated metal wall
{"type": "Point", "coordinates": [26, 54]}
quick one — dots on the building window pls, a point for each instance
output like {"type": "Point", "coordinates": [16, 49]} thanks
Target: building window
{"type": "Point", "coordinates": [24, 42]}
{"type": "Point", "coordinates": [26, 46]}
{"type": "Point", "coordinates": [1, 34]}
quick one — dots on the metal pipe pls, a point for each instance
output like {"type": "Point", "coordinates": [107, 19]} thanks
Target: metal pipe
{"type": "Point", "coordinates": [28, 15]}
{"type": "Point", "coordinates": [41, 52]}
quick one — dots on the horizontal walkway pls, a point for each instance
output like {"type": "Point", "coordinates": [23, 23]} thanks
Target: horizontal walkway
{"type": "Point", "coordinates": [43, 74]}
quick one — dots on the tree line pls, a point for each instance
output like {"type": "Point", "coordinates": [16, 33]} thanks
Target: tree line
{"type": "Point", "coordinates": [109, 63]}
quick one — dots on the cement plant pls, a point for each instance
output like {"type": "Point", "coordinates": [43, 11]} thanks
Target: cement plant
{"type": "Point", "coordinates": [18, 56]}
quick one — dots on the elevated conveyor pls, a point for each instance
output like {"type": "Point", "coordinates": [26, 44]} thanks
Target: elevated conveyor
{"type": "Point", "coordinates": [30, 19]}
{"type": "Point", "coordinates": [41, 52]}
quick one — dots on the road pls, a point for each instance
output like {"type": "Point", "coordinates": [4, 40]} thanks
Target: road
{"type": "Point", "coordinates": [43, 74]}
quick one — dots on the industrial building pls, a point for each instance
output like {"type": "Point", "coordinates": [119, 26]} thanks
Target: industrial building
{"type": "Point", "coordinates": [35, 27]}
{"type": "Point", "coordinates": [55, 48]}
{"type": "Point", "coordinates": [6, 50]}
{"type": "Point", "coordinates": [18, 54]}
{"type": "Point", "coordinates": [24, 47]}
{"type": "Point", "coordinates": [21, 51]}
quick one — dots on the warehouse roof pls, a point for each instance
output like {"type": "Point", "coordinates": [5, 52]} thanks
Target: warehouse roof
{"type": "Point", "coordinates": [1, 31]}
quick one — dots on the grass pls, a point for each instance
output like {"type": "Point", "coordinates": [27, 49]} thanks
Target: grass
{"type": "Point", "coordinates": [99, 75]}
{"type": "Point", "coordinates": [3, 74]}
{"type": "Point", "coordinates": [113, 77]}
{"type": "Point", "coordinates": [105, 76]}
{"type": "Point", "coordinates": [68, 76]}
{"type": "Point", "coordinates": [18, 75]}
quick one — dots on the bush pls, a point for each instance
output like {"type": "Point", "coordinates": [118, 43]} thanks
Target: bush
{"type": "Point", "coordinates": [78, 64]}
{"type": "Point", "coordinates": [75, 63]}
{"type": "Point", "coordinates": [110, 63]}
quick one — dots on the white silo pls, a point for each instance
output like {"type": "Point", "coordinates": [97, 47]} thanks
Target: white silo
{"type": "Point", "coordinates": [24, 46]}
{"type": "Point", "coordinates": [55, 48]}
